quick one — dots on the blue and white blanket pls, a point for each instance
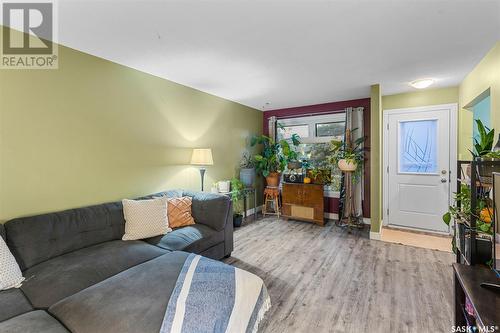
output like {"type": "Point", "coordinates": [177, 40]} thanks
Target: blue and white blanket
{"type": "Point", "coordinates": [210, 296]}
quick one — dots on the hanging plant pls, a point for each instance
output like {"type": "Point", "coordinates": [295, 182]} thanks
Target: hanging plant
{"type": "Point", "coordinates": [348, 155]}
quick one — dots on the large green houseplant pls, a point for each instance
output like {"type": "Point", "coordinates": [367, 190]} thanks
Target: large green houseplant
{"type": "Point", "coordinates": [274, 157]}
{"type": "Point", "coordinates": [483, 149]}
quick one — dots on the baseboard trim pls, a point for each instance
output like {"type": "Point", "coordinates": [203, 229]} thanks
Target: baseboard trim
{"type": "Point", "coordinates": [251, 210]}
{"type": "Point", "coordinates": [375, 235]}
{"type": "Point", "coordinates": [335, 216]}
{"type": "Point", "coordinates": [332, 216]}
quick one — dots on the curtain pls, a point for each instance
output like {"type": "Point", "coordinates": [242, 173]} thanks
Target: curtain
{"type": "Point", "coordinates": [354, 126]}
{"type": "Point", "coordinates": [272, 127]}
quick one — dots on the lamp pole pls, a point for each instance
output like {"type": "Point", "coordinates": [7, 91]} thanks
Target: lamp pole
{"type": "Point", "coordinates": [202, 174]}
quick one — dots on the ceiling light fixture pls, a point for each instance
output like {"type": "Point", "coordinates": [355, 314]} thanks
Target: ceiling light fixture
{"type": "Point", "coordinates": [422, 83]}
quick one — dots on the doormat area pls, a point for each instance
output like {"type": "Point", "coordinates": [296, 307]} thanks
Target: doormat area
{"type": "Point", "coordinates": [426, 241]}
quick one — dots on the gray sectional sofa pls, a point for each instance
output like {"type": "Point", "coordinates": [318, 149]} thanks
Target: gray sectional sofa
{"type": "Point", "coordinates": [78, 269]}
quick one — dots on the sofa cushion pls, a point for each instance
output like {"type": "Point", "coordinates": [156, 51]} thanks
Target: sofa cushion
{"type": "Point", "coordinates": [60, 277]}
{"type": "Point", "coordinates": [210, 209]}
{"type": "Point", "coordinates": [132, 301]}
{"type": "Point", "coordinates": [32, 322]}
{"type": "Point", "coordinates": [179, 212]}
{"type": "Point", "coordinates": [13, 303]}
{"type": "Point", "coordinates": [195, 238]}
{"type": "Point", "coordinates": [145, 218]}
{"type": "Point", "coordinates": [35, 239]}
{"type": "Point", "coordinates": [169, 194]}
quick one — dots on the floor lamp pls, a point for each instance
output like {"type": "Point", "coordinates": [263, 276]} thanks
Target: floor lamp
{"type": "Point", "coordinates": [202, 157]}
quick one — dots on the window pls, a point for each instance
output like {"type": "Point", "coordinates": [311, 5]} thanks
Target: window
{"type": "Point", "coordinates": [330, 129]}
{"type": "Point", "coordinates": [301, 130]}
{"type": "Point", "coordinates": [418, 146]}
{"type": "Point", "coordinates": [315, 133]}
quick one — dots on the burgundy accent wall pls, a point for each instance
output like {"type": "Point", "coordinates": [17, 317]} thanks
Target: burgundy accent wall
{"type": "Point", "coordinates": [332, 204]}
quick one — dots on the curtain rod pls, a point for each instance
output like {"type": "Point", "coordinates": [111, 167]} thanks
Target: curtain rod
{"type": "Point", "coordinates": [311, 114]}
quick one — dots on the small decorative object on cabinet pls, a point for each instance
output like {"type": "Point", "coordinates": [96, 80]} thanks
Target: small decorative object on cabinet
{"type": "Point", "coordinates": [304, 202]}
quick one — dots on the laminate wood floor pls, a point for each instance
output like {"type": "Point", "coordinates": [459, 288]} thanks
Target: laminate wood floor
{"type": "Point", "coordinates": [323, 279]}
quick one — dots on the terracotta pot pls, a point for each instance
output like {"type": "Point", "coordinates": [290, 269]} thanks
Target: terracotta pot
{"type": "Point", "coordinates": [273, 179]}
{"type": "Point", "coordinates": [347, 166]}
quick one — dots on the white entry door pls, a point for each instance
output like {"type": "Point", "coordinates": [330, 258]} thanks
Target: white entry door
{"type": "Point", "coordinates": [418, 168]}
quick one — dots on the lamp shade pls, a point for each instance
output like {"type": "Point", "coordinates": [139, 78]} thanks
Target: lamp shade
{"type": "Point", "coordinates": [202, 156]}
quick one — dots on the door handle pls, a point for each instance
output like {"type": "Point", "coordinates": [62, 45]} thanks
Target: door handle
{"type": "Point", "coordinates": [443, 180]}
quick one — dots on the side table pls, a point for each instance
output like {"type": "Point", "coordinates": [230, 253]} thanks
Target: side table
{"type": "Point", "coordinates": [246, 192]}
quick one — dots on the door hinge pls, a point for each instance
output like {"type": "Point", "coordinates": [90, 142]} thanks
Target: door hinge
{"type": "Point", "coordinates": [387, 169]}
{"type": "Point", "coordinates": [387, 211]}
{"type": "Point", "coordinates": [388, 126]}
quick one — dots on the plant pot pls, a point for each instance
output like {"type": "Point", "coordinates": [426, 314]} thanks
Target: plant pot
{"type": "Point", "coordinates": [273, 179]}
{"type": "Point", "coordinates": [294, 165]}
{"type": "Point", "coordinates": [247, 176]}
{"type": "Point", "coordinates": [237, 220]}
{"type": "Point", "coordinates": [347, 166]}
{"type": "Point", "coordinates": [486, 169]}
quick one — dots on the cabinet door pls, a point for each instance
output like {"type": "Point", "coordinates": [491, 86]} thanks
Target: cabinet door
{"type": "Point", "coordinates": [292, 194]}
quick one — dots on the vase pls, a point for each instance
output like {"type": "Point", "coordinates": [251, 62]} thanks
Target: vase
{"type": "Point", "coordinates": [273, 179]}
{"type": "Point", "coordinates": [237, 220]}
{"type": "Point", "coordinates": [347, 166]}
{"type": "Point", "coordinates": [247, 176]}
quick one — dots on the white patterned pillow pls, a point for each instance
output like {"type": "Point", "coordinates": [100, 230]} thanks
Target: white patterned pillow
{"type": "Point", "coordinates": [10, 273]}
{"type": "Point", "coordinates": [145, 218]}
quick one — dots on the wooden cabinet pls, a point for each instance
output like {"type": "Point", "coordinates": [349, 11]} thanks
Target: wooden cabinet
{"type": "Point", "coordinates": [484, 302]}
{"type": "Point", "coordinates": [303, 202]}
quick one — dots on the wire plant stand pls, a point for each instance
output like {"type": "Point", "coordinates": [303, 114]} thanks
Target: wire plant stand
{"type": "Point", "coordinates": [348, 218]}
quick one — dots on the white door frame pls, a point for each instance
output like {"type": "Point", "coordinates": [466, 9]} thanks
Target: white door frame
{"type": "Point", "coordinates": [453, 109]}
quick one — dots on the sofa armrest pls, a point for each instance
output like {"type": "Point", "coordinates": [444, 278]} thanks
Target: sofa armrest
{"type": "Point", "coordinates": [213, 210]}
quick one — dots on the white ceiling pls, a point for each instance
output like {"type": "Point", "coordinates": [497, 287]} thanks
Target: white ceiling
{"type": "Point", "coordinates": [286, 52]}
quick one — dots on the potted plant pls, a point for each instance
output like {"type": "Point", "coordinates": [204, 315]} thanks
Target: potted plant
{"type": "Point", "coordinates": [274, 157]}
{"type": "Point", "coordinates": [236, 196]}
{"type": "Point", "coordinates": [347, 156]}
{"type": "Point", "coordinates": [247, 170]}
{"type": "Point", "coordinates": [320, 175]}
{"type": "Point", "coordinates": [483, 150]}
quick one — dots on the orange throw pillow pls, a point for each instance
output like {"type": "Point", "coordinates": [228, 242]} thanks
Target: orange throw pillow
{"type": "Point", "coordinates": [179, 212]}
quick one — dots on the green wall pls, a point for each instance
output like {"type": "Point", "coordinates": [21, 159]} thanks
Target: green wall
{"type": "Point", "coordinates": [421, 98]}
{"type": "Point", "coordinates": [485, 76]}
{"type": "Point", "coordinates": [95, 131]}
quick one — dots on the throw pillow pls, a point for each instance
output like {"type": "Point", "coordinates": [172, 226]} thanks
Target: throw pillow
{"type": "Point", "coordinates": [179, 212]}
{"type": "Point", "coordinates": [145, 218]}
{"type": "Point", "coordinates": [10, 273]}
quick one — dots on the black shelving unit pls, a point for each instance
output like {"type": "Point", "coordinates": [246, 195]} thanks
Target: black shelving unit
{"type": "Point", "coordinates": [473, 245]}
